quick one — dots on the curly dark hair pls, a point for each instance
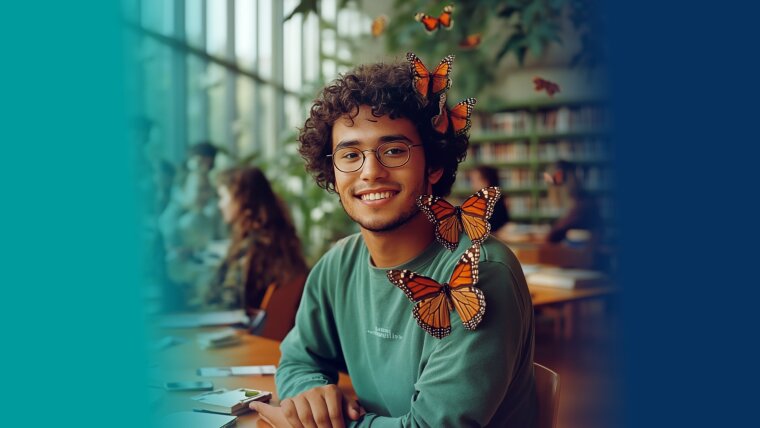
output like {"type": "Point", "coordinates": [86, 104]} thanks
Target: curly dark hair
{"type": "Point", "coordinates": [387, 89]}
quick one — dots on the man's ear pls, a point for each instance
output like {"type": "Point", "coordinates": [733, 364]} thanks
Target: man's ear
{"type": "Point", "coordinates": [435, 175]}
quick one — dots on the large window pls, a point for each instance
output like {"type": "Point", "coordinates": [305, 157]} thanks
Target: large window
{"type": "Point", "coordinates": [231, 72]}
{"type": "Point", "coordinates": [236, 74]}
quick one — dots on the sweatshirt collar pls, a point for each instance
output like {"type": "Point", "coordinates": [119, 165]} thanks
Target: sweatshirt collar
{"type": "Point", "coordinates": [416, 264]}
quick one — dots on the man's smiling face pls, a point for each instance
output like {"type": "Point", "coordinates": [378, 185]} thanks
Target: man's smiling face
{"type": "Point", "coordinates": [379, 198]}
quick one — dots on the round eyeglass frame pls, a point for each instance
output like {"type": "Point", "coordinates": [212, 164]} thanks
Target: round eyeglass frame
{"type": "Point", "coordinates": [376, 151]}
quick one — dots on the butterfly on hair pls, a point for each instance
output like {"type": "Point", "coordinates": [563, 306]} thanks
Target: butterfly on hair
{"type": "Point", "coordinates": [435, 301]}
{"type": "Point", "coordinates": [458, 116]}
{"type": "Point", "coordinates": [427, 84]}
{"type": "Point", "coordinates": [472, 216]}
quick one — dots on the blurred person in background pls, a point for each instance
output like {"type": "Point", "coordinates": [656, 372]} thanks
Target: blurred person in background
{"type": "Point", "coordinates": [579, 209]}
{"type": "Point", "coordinates": [264, 255]}
{"type": "Point", "coordinates": [488, 176]}
{"type": "Point", "coordinates": [190, 222]}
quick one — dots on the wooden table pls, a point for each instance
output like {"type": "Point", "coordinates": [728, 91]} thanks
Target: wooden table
{"type": "Point", "coordinates": [559, 255]}
{"type": "Point", "coordinates": [564, 303]}
{"type": "Point", "coordinates": [551, 296]}
{"type": "Point", "coordinates": [180, 362]}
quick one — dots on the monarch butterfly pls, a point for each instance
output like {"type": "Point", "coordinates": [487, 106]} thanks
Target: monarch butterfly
{"type": "Point", "coordinates": [541, 84]}
{"type": "Point", "coordinates": [472, 216]}
{"type": "Point", "coordinates": [435, 301]}
{"type": "Point", "coordinates": [378, 25]}
{"type": "Point", "coordinates": [470, 42]}
{"type": "Point", "coordinates": [426, 83]}
{"type": "Point", "coordinates": [432, 23]}
{"type": "Point", "coordinates": [459, 116]}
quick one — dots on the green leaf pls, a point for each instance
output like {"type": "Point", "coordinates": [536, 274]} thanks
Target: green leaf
{"type": "Point", "coordinates": [532, 14]}
{"type": "Point", "coordinates": [304, 8]}
{"type": "Point", "coordinates": [521, 55]}
{"type": "Point", "coordinates": [515, 41]}
{"type": "Point", "coordinates": [507, 11]}
{"type": "Point", "coordinates": [557, 4]}
{"type": "Point", "coordinates": [536, 45]}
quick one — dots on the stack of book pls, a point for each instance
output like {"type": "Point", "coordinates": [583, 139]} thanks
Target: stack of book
{"type": "Point", "coordinates": [229, 402]}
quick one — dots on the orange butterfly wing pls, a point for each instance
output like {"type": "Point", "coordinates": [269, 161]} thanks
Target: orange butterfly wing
{"type": "Point", "coordinates": [426, 83]}
{"type": "Point", "coordinates": [420, 75]}
{"type": "Point", "coordinates": [476, 211]}
{"type": "Point", "coordinates": [469, 302]}
{"type": "Point", "coordinates": [440, 77]}
{"type": "Point", "coordinates": [378, 25]}
{"type": "Point", "coordinates": [445, 19]}
{"type": "Point", "coordinates": [459, 115]}
{"type": "Point", "coordinates": [432, 306]}
{"type": "Point", "coordinates": [433, 315]}
{"type": "Point", "coordinates": [471, 41]}
{"type": "Point", "coordinates": [441, 120]}
{"type": "Point", "coordinates": [429, 22]}
{"type": "Point", "coordinates": [444, 217]}
{"type": "Point", "coordinates": [415, 286]}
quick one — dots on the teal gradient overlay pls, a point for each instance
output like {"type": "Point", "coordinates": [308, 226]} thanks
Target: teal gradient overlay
{"type": "Point", "coordinates": [73, 330]}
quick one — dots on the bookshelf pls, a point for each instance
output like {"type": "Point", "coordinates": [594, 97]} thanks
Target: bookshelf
{"type": "Point", "coordinates": [522, 140]}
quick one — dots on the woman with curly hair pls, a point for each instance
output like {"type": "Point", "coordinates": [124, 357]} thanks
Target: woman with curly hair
{"type": "Point", "coordinates": [369, 138]}
{"type": "Point", "coordinates": [264, 253]}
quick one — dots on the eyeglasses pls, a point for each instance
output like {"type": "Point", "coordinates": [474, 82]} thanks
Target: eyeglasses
{"type": "Point", "coordinates": [392, 155]}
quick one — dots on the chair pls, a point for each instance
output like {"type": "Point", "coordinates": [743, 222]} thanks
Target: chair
{"type": "Point", "coordinates": [280, 304]}
{"type": "Point", "coordinates": [547, 392]}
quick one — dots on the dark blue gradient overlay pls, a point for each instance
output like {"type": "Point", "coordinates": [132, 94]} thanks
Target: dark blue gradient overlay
{"type": "Point", "coordinates": [685, 100]}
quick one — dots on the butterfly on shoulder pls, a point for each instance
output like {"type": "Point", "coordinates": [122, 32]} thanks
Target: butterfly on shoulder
{"type": "Point", "coordinates": [542, 84]}
{"type": "Point", "coordinates": [434, 301]}
{"type": "Point", "coordinates": [431, 23]}
{"type": "Point", "coordinates": [458, 116]}
{"type": "Point", "coordinates": [378, 25]}
{"type": "Point", "coordinates": [472, 216]}
{"type": "Point", "coordinates": [427, 84]}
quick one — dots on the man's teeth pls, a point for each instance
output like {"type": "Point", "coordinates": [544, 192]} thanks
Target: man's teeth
{"type": "Point", "coordinates": [375, 196]}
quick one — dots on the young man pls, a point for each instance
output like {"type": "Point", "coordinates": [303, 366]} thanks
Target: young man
{"type": "Point", "coordinates": [370, 140]}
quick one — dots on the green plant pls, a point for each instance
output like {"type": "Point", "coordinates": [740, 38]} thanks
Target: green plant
{"type": "Point", "coordinates": [508, 28]}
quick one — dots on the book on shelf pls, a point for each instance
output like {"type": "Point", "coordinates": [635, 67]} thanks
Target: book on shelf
{"type": "Point", "coordinates": [230, 402]}
{"type": "Point", "coordinates": [567, 278]}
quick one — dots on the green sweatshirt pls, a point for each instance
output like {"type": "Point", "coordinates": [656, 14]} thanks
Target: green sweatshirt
{"type": "Point", "coordinates": [352, 318]}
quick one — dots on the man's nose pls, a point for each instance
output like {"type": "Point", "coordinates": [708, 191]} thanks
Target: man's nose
{"type": "Point", "coordinates": [372, 168]}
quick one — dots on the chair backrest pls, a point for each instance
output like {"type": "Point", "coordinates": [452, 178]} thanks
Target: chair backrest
{"type": "Point", "coordinates": [281, 304]}
{"type": "Point", "coordinates": [547, 392]}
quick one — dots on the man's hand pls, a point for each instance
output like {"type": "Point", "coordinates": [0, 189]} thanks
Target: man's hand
{"type": "Point", "coordinates": [322, 407]}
